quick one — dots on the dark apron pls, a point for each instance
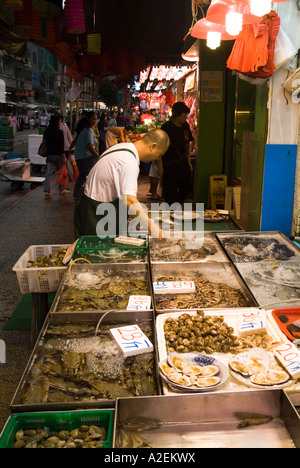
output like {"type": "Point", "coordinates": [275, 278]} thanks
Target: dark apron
{"type": "Point", "coordinates": [85, 214]}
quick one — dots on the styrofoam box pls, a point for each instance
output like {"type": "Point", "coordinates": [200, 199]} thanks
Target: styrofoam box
{"type": "Point", "coordinates": [39, 280]}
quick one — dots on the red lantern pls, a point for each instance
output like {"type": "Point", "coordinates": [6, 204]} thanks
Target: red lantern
{"type": "Point", "coordinates": [23, 18]}
{"type": "Point", "coordinates": [75, 21]}
{"type": "Point", "coordinates": [232, 14]}
{"type": "Point", "coordinates": [214, 33]}
{"type": "Point", "coordinates": [35, 32]}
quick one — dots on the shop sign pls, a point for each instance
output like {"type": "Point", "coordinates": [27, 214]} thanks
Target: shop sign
{"type": "Point", "coordinates": [2, 352]}
{"type": "Point", "coordinates": [25, 93]}
{"type": "Point", "coordinates": [131, 340]}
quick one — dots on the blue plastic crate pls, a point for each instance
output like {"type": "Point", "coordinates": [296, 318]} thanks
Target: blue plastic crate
{"type": "Point", "coordinates": [14, 155]}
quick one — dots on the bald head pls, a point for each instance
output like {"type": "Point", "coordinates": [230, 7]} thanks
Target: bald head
{"type": "Point", "coordinates": [159, 138]}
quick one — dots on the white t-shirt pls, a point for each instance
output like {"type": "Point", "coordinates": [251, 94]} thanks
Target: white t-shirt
{"type": "Point", "coordinates": [114, 174]}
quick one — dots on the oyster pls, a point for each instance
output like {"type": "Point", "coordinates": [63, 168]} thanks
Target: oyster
{"type": "Point", "coordinates": [204, 382]}
{"type": "Point", "coordinates": [209, 371]}
{"type": "Point", "coordinates": [179, 379]}
{"type": "Point", "coordinates": [195, 370]}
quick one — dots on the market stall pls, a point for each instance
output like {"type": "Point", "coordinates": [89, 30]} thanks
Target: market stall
{"type": "Point", "coordinates": [190, 329]}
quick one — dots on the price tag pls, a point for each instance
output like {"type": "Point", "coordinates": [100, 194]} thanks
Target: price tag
{"type": "Point", "coordinates": [252, 321]}
{"type": "Point", "coordinates": [174, 287]}
{"type": "Point", "coordinates": [139, 303]}
{"type": "Point", "coordinates": [289, 356]}
{"type": "Point", "coordinates": [131, 340]}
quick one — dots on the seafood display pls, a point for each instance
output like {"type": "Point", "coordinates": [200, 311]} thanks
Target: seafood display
{"type": "Point", "coordinates": [209, 294]}
{"type": "Point", "coordinates": [260, 369]}
{"type": "Point", "coordinates": [129, 435]}
{"type": "Point", "coordinates": [114, 255]}
{"type": "Point", "coordinates": [53, 260]}
{"type": "Point", "coordinates": [214, 216]}
{"type": "Point", "coordinates": [72, 365]}
{"type": "Point", "coordinates": [244, 248]}
{"type": "Point", "coordinates": [193, 373]}
{"type": "Point", "coordinates": [186, 250]}
{"type": "Point", "coordinates": [272, 283]}
{"type": "Point", "coordinates": [89, 290]}
{"type": "Point", "coordinates": [81, 437]}
{"type": "Point", "coordinates": [208, 334]}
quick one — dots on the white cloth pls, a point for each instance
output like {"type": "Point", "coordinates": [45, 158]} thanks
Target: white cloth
{"type": "Point", "coordinates": [114, 174]}
{"type": "Point", "coordinates": [67, 136]}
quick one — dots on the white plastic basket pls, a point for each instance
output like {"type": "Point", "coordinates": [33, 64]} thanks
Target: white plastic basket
{"type": "Point", "coordinates": [39, 280]}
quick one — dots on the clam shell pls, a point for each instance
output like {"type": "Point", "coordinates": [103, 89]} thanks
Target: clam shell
{"type": "Point", "coordinates": [272, 377]}
{"type": "Point", "coordinates": [209, 371]}
{"type": "Point", "coordinates": [179, 379]}
{"type": "Point", "coordinates": [178, 362]}
{"type": "Point", "coordinates": [204, 382]}
{"type": "Point", "coordinates": [240, 367]}
{"type": "Point", "coordinates": [166, 370]}
{"type": "Point", "coordinates": [195, 370]}
{"type": "Point", "coordinates": [257, 367]}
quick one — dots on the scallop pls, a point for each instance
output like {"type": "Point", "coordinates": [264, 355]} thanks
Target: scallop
{"type": "Point", "coordinates": [256, 367]}
{"type": "Point", "coordinates": [178, 362]}
{"type": "Point", "coordinates": [195, 370]}
{"type": "Point", "coordinates": [205, 382]}
{"type": "Point", "coordinates": [240, 367]}
{"type": "Point", "coordinates": [167, 369]}
{"type": "Point", "coordinates": [179, 379]}
{"type": "Point", "coordinates": [275, 377]}
{"type": "Point", "coordinates": [209, 371]}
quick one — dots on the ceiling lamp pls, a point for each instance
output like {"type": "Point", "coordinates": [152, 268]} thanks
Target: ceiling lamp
{"type": "Point", "coordinates": [232, 14]}
{"type": "Point", "coordinates": [212, 32]}
{"type": "Point", "coordinates": [75, 21]}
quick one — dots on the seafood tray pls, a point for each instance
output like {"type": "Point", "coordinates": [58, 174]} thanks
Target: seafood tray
{"type": "Point", "coordinates": [218, 285]}
{"type": "Point", "coordinates": [231, 318]}
{"type": "Point", "coordinates": [258, 246]}
{"type": "Point", "coordinates": [39, 280]}
{"type": "Point", "coordinates": [99, 287]}
{"type": "Point", "coordinates": [72, 368]}
{"type": "Point", "coordinates": [236, 420]}
{"type": "Point", "coordinates": [203, 248]}
{"type": "Point", "coordinates": [105, 250]}
{"type": "Point", "coordinates": [56, 422]}
{"type": "Point", "coordinates": [275, 285]}
{"type": "Point", "coordinates": [172, 222]}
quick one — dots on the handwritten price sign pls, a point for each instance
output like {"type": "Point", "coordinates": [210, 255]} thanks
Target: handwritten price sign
{"type": "Point", "coordinates": [131, 340]}
{"type": "Point", "coordinates": [252, 321]}
{"type": "Point", "coordinates": [139, 303]}
{"type": "Point", "coordinates": [289, 356]}
{"type": "Point", "coordinates": [174, 287]}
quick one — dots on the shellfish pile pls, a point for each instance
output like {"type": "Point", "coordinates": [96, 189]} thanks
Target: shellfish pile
{"type": "Point", "coordinates": [180, 373]}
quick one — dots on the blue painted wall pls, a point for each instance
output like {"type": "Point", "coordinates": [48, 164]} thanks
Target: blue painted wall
{"type": "Point", "coordinates": [278, 188]}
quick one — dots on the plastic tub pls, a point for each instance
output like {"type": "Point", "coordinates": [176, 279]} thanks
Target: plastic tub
{"type": "Point", "coordinates": [57, 421]}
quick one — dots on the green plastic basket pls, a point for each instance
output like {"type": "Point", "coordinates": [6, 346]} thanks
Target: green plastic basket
{"type": "Point", "coordinates": [58, 421]}
{"type": "Point", "coordinates": [92, 244]}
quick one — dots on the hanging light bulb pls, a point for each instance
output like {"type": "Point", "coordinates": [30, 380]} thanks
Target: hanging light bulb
{"type": "Point", "coordinates": [213, 39]}
{"type": "Point", "coordinates": [213, 33]}
{"type": "Point", "coordinates": [234, 22]}
{"type": "Point", "coordinates": [260, 7]}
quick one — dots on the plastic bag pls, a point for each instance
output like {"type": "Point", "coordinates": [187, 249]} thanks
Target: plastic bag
{"type": "Point", "coordinates": [62, 177]}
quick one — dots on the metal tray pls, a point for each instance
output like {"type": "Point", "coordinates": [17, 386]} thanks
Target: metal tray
{"type": "Point", "coordinates": [133, 270]}
{"type": "Point", "coordinates": [211, 421]}
{"type": "Point", "coordinates": [84, 319]}
{"type": "Point", "coordinates": [270, 291]}
{"type": "Point", "coordinates": [216, 272]}
{"type": "Point", "coordinates": [231, 319]}
{"type": "Point", "coordinates": [263, 254]}
{"type": "Point", "coordinates": [196, 249]}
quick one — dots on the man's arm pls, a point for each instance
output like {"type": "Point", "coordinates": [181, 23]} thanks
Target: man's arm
{"type": "Point", "coordinates": [153, 229]}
